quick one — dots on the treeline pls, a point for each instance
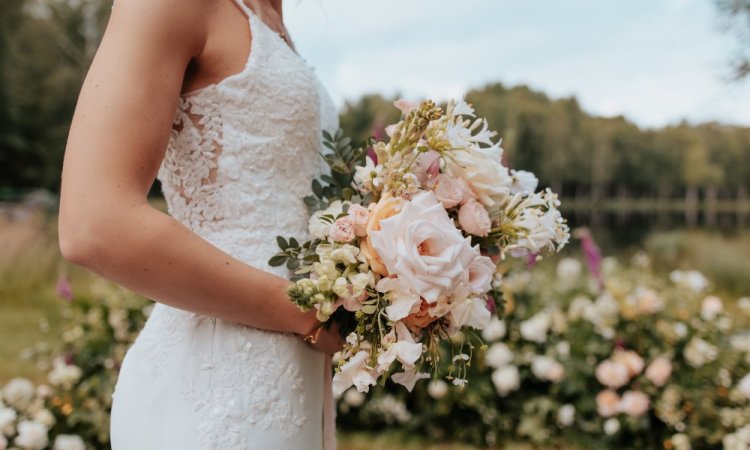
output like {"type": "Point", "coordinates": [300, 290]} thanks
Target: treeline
{"type": "Point", "coordinates": [46, 47]}
{"type": "Point", "coordinates": [595, 158]}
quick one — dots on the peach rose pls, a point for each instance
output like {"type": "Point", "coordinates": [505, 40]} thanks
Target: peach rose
{"type": "Point", "coordinates": [387, 206]}
{"type": "Point", "coordinates": [342, 229]}
{"type": "Point", "coordinates": [360, 216]}
{"type": "Point", "coordinates": [421, 318]}
{"type": "Point", "coordinates": [631, 360]}
{"type": "Point", "coordinates": [634, 403]}
{"type": "Point", "coordinates": [659, 371]}
{"type": "Point", "coordinates": [607, 403]}
{"type": "Point", "coordinates": [474, 218]}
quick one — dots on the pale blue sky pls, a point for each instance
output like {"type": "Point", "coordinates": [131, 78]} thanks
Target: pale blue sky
{"type": "Point", "coordinates": [654, 61]}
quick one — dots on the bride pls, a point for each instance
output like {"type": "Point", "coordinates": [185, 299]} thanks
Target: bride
{"type": "Point", "coordinates": [211, 98]}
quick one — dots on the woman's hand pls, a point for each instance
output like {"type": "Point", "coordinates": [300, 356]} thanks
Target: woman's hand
{"type": "Point", "coordinates": [326, 340]}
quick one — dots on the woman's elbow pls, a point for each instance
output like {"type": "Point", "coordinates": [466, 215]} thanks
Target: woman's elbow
{"type": "Point", "coordinates": [78, 239]}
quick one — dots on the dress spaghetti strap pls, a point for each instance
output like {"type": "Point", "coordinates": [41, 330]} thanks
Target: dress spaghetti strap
{"type": "Point", "coordinates": [244, 7]}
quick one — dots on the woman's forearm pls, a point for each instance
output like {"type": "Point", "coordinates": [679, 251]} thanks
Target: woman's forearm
{"type": "Point", "coordinates": [156, 256]}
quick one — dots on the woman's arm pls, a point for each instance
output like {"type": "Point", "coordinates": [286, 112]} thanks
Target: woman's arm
{"type": "Point", "coordinates": [117, 140]}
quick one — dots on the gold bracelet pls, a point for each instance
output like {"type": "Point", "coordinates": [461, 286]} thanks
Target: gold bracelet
{"type": "Point", "coordinates": [312, 337]}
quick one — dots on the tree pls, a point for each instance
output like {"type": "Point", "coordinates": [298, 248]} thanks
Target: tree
{"type": "Point", "coordinates": [736, 18]}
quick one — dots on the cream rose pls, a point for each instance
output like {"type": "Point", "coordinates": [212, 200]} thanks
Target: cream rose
{"type": "Point", "coordinates": [423, 248]}
{"type": "Point", "coordinates": [385, 208]}
{"type": "Point", "coordinates": [474, 218]}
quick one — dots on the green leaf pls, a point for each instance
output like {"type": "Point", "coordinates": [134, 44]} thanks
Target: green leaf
{"type": "Point", "coordinates": [282, 243]}
{"type": "Point", "coordinates": [292, 263]}
{"type": "Point", "coordinates": [293, 243]}
{"type": "Point", "coordinates": [327, 135]}
{"type": "Point", "coordinates": [277, 260]}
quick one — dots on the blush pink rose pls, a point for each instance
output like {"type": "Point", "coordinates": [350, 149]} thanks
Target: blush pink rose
{"type": "Point", "coordinates": [631, 360]}
{"type": "Point", "coordinates": [479, 274]}
{"type": "Point", "coordinates": [360, 215]}
{"type": "Point", "coordinates": [474, 218]}
{"type": "Point", "coordinates": [612, 374]}
{"type": "Point", "coordinates": [607, 403]}
{"type": "Point", "coordinates": [659, 371]}
{"type": "Point", "coordinates": [426, 167]}
{"type": "Point", "coordinates": [448, 190]}
{"type": "Point", "coordinates": [342, 229]}
{"type": "Point", "coordinates": [634, 403]}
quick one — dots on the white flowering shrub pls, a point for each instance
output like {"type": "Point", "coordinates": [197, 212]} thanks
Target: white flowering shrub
{"type": "Point", "coordinates": [621, 359]}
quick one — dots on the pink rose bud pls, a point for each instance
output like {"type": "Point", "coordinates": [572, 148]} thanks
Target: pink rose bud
{"type": "Point", "coordinates": [342, 229]}
{"type": "Point", "coordinates": [360, 215]}
{"type": "Point", "coordinates": [474, 219]}
{"type": "Point", "coordinates": [448, 191]}
{"type": "Point", "coordinates": [426, 167]}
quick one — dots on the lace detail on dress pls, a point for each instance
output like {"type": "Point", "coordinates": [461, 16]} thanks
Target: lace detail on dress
{"type": "Point", "coordinates": [165, 328]}
{"type": "Point", "coordinates": [245, 383]}
{"type": "Point", "coordinates": [191, 162]}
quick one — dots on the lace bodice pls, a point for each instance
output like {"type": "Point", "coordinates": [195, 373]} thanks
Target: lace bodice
{"type": "Point", "coordinates": [243, 151]}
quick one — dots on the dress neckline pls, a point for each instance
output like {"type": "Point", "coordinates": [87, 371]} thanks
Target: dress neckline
{"type": "Point", "coordinates": [253, 20]}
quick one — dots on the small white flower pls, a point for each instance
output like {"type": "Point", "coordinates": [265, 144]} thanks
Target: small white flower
{"type": "Point", "coordinates": [506, 379]}
{"type": "Point", "coordinates": [744, 386]}
{"type": "Point", "coordinates": [354, 372]}
{"type": "Point", "coordinates": [494, 330]}
{"type": "Point", "coordinates": [409, 377]}
{"type": "Point", "coordinates": [498, 355]}
{"type": "Point", "coordinates": [402, 348]}
{"type": "Point", "coordinates": [535, 329]}
{"type": "Point", "coordinates": [437, 389]}
{"type": "Point", "coordinates": [31, 435]}
{"type": "Point", "coordinates": [681, 441]}
{"type": "Point", "coordinates": [18, 393]}
{"type": "Point", "coordinates": [699, 352]}
{"type": "Point", "coordinates": [353, 397]}
{"type": "Point", "coordinates": [523, 181]}
{"type": "Point", "coordinates": [568, 271]}
{"type": "Point", "coordinates": [68, 442]}
{"type": "Point", "coordinates": [611, 426]}
{"type": "Point", "coordinates": [566, 415]}
{"type": "Point", "coordinates": [8, 418]}
{"type": "Point", "coordinates": [711, 307]}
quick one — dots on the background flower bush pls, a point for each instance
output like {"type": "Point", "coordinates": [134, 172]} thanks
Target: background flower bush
{"type": "Point", "coordinates": [622, 358]}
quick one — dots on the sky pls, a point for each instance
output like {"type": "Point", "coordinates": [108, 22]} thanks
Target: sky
{"type": "Point", "coordinates": [656, 62]}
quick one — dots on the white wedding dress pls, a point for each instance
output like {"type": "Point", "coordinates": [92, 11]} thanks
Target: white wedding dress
{"type": "Point", "coordinates": [240, 159]}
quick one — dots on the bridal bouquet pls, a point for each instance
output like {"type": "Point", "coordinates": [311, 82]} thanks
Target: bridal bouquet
{"type": "Point", "coordinates": [407, 235]}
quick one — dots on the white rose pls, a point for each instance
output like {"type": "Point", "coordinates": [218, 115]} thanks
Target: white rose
{"type": "Point", "coordinates": [566, 415]}
{"type": "Point", "coordinates": [18, 393]}
{"type": "Point", "coordinates": [498, 355]}
{"type": "Point", "coordinates": [422, 246]}
{"type": "Point", "coordinates": [31, 435]}
{"type": "Point", "coordinates": [612, 374]}
{"type": "Point", "coordinates": [711, 307]}
{"type": "Point", "coordinates": [699, 352]}
{"type": "Point", "coordinates": [437, 389]}
{"type": "Point", "coordinates": [68, 442]}
{"type": "Point", "coordinates": [523, 181]}
{"type": "Point", "coordinates": [494, 330]}
{"type": "Point", "coordinates": [482, 168]}
{"type": "Point", "coordinates": [506, 379]}
{"type": "Point", "coordinates": [535, 329]}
